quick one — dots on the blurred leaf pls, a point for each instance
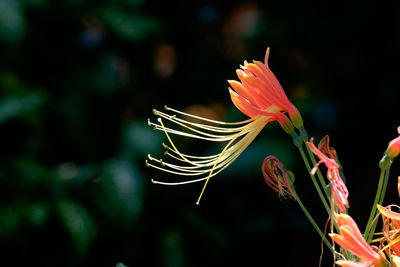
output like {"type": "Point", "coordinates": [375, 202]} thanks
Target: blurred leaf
{"type": "Point", "coordinates": [120, 264]}
{"type": "Point", "coordinates": [172, 248]}
{"type": "Point", "coordinates": [106, 77]}
{"type": "Point", "coordinates": [14, 106]}
{"type": "Point", "coordinates": [37, 213]}
{"type": "Point", "coordinates": [10, 220]}
{"type": "Point", "coordinates": [35, 3]}
{"type": "Point", "coordinates": [70, 173]}
{"type": "Point", "coordinates": [11, 83]}
{"type": "Point", "coordinates": [134, 27]}
{"type": "Point", "coordinates": [122, 186]}
{"type": "Point", "coordinates": [78, 222]}
{"type": "Point", "coordinates": [139, 140]}
{"type": "Point", "coordinates": [12, 21]}
{"type": "Point", "coordinates": [30, 171]}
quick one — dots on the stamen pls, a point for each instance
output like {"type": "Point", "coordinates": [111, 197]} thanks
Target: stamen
{"type": "Point", "coordinates": [205, 119]}
{"type": "Point", "coordinates": [238, 139]}
{"type": "Point", "coordinates": [213, 139]}
{"type": "Point", "coordinates": [208, 178]}
{"type": "Point", "coordinates": [175, 119]}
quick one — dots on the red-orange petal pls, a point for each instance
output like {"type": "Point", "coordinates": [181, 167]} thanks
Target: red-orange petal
{"type": "Point", "coordinates": [388, 213]}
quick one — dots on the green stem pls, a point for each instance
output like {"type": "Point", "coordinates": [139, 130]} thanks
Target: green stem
{"type": "Point", "coordinates": [319, 174]}
{"type": "Point", "coordinates": [382, 196]}
{"type": "Point", "coordinates": [316, 185]}
{"type": "Point", "coordinates": [368, 230]}
{"type": "Point", "coordinates": [385, 182]}
{"type": "Point", "coordinates": [329, 245]}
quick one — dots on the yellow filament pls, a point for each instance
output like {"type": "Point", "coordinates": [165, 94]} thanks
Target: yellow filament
{"type": "Point", "coordinates": [209, 176]}
{"type": "Point", "coordinates": [172, 143]}
{"type": "Point", "coordinates": [394, 241]}
{"type": "Point", "coordinates": [199, 165]}
{"type": "Point", "coordinates": [205, 119]}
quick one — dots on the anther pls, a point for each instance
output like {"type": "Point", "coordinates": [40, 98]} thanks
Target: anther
{"type": "Point", "coordinates": [148, 122]}
{"type": "Point", "coordinates": [153, 182]}
{"type": "Point", "coordinates": [164, 146]}
{"type": "Point", "coordinates": [162, 163]}
{"type": "Point", "coordinates": [166, 108]}
{"type": "Point", "coordinates": [155, 112]}
{"type": "Point", "coordinates": [147, 163]}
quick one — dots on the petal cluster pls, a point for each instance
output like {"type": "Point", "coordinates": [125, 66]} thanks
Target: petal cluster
{"type": "Point", "coordinates": [391, 227]}
{"type": "Point", "coordinates": [338, 188]}
{"type": "Point", "coordinates": [260, 93]}
{"type": "Point", "coordinates": [351, 239]}
{"type": "Point", "coordinates": [277, 177]}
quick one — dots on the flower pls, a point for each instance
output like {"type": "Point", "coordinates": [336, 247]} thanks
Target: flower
{"type": "Point", "coordinates": [351, 239]}
{"type": "Point", "coordinates": [329, 151]}
{"type": "Point", "coordinates": [339, 190]}
{"type": "Point", "coordinates": [277, 177]}
{"type": "Point", "coordinates": [258, 95]}
{"type": "Point", "coordinates": [391, 227]}
{"type": "Point", "coordinates": [393, 149]}
{"type": "Point", "coordinates": [259, 90]}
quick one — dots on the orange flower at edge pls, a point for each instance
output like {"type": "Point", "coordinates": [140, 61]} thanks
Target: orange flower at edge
{"type": "Point", "coordinates": [351, 239]}
{"type": "Point", "coordinates": [393, 149]}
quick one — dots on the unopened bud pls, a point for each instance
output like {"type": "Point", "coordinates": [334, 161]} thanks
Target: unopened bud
{"type": "Point", "coordinates": [296, 119]}
{"type": "Point", "coordinates": [277, 177]}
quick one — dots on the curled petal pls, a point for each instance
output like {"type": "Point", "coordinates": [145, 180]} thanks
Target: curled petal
{"type": "Point", "coordinates": [325, 148]}
{"type": "Point", "coordinates": [388, 213]}
{"type": "Point", "coordinates": [277, 177]}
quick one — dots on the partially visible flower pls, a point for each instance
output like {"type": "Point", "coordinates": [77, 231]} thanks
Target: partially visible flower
{"type": "Point", "coordinates": [325, 148]}
{"type": "Point", "coordinates": [277, 177]}
{"type": "Point", "coordinates": [258, 95]}
{"type": "Point", "coordinates": [351, 239]}
{"type": "Point", "coordinates": [395, 261]}
{"type": "Point", "coordinates": [393, 149]}
{"type": "Point", "coordinates": [350, 263]}
{"type": "Point", "coordinates": [398, 185]}
{"type": "Point", "coordinates": [338, 188]}
{"type": "Point", "coordinates": [391, 227]}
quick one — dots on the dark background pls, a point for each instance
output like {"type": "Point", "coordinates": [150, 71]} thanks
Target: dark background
{"type": "Point", "coordinates": [79, 78]}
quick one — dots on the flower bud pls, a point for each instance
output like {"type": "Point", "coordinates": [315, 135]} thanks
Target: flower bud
{"type": "Point", "coordinates": [393, 149]}
{"type": "Point", "coordinates": [277, 177]}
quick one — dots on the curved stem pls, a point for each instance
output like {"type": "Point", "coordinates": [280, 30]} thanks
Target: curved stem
{"type": "Point", "coordinates": [308, 215]}
{"type": "Point", "coordinates": [368, 229]}
{"type": "Point", "coordinates": [384, 183]}
{"type": "Point", "coordinates": [316, 185]}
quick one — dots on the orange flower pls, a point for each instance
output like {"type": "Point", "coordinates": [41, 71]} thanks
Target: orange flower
{"type": "Point", "coordinates": [349, 263]}
{"type": "Point", "coordinates": [351, 239]}
{"type": "Point", "coordinates": [277, 177]}
{"type": "Point", "coordinates": [338, 188]}
{"type": "Point", "coordinates": [391, 227]}
{"type": "Point", "coordinates": [329, 151]}
{"type": "Point", "coordinates": [259, 93]}
{"type": "Point", "coordinates": [393, 149]}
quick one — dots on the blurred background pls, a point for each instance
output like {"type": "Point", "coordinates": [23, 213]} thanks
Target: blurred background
{"type": "Point", "coordinates": [79, 78]}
